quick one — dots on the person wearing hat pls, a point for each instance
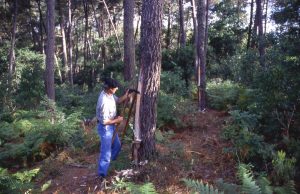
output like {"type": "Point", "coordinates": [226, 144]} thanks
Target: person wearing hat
{"type": "Point", "coordinates": [106, 113]}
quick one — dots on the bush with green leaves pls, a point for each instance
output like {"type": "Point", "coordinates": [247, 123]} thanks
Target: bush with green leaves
{"type": "Point", "coordinates": [247, 144]}
{"type": "Point", "coordinates": [222, 95]}
{"type": "Point", "coordinates": [30, 69]}
{"type": "Point", "coordinates": [19, 182]}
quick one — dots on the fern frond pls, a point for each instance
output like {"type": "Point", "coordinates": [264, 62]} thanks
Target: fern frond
{"type": "Point", "coordinates": [201, 187]}
{"type": "Point", "coordinates": [248, 183]}
{"type": "Point", "coordinates": [288, 188]}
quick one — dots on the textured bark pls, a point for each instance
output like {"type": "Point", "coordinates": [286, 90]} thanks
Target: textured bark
{"type": "Point", "coordinates": [182, 39]}
{"type": "Point", "coordinates": [129, 46]}
{"type": "Point", "coordinates": [201, 16]}
{"type": "Point", "coordinates": [50, 49]}
{"type": "Point", "coordinates": [250, 25]}
{"type": "Point", "coordinates": [151, 69]}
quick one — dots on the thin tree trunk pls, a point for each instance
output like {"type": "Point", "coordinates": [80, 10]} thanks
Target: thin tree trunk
{"type": "Point", "coordinates": [50, 49]}
{"type": "Point", "coordinates": [201, 55]}
{"type": "Point", "coordinates": [261, 39]}
{"type": "Point", "coordinates": [151, 68]}
{"type": "Point", "coordinates": [70, 45]}
{"type": "Point", "coordinates": [58, 69]}
{"type": "Point", "coordinates": [86, 16]}
{"type": "Point", "coordinates": [168, 34]}
{"type": "Point", "coordinates": [195, 23]}
{"type": "Point", "coordinates": [11, 64]}
{"type": "Point", "coordinates": [41, 27]}
{"type": "Point", "coordinates": [34, 35]}
{"type": "Point", "coordinates": [182, 40]}
{"type": "Point", "coordinates": [129, 46]}
{"type": "Point", "coordinates": [114, 28]}
{"type": "Point", "coordinates": [63, 39]}
{"type": "Point", "coordinates": [250, 25]}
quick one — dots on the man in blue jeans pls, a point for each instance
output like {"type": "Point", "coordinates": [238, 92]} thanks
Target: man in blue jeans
{"type": "Point", "coordinates": [106, 112]}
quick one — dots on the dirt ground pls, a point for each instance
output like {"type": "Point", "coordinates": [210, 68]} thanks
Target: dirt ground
{"type": "Point", "coordinates": [194, 151]}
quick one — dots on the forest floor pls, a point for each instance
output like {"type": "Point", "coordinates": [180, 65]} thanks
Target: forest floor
{"type": "Point", "coordinates": [194, 151]}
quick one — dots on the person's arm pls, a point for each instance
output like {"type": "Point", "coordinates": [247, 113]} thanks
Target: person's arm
{"type": "Point", "coordinates": [119, 119]}
{"type": "Point", "coordinates": [123, 98]}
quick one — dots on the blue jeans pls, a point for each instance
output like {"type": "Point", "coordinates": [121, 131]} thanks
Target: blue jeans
{"type": "Point", "coordinates": [108, 151]}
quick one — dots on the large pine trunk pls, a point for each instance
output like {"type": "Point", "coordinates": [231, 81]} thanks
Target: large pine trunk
{"type": "Point", "coordinates": [50, 49]}
{"type": "Point", "coordinates": [151, 69]}
{"type": "Point", "coordinates": [129, 46]}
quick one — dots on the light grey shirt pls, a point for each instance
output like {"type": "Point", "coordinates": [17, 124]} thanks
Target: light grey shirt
{"type": "Point", "coordinates": [106, 107]}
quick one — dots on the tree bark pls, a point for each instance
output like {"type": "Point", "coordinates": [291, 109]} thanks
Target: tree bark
{"type": "Point", "coordinates": [129, 46]}
{"type": "Point", "coordinates": [182, 39]}
{"type": "Point", "coordinates": [50, 49]}
{"type": "Point", "coordinates": [201, 16]}
{"type": "Point", "coordinates": [151, 69]}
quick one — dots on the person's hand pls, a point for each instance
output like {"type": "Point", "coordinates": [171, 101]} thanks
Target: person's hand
{"type": "Point", "coordinates": [120, 119]}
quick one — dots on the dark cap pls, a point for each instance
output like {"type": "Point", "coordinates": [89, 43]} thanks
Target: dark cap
{"type": "Point", "coordinates": [110, 83]}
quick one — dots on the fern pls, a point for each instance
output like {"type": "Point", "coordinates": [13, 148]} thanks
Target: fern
{"type": "Point", "coordinates": [201, 187]}
{"type": "Point", "coordinates": [132, 188]}
{"type": "Point", "coordinates": [229, 188]}
{"type": "Point", "coordinates": [288, 188]}
{"type": "Point", "coordinates": [249, 185]}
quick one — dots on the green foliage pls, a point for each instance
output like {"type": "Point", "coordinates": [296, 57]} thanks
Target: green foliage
{"type": "Point", "coordinates": [18, 182]}
{"type": "Point", "coordinates": [30, 73]}
{"type": "Point", "coordinates": [163, 137]}
{"type": "Point", "coordinates": [222, 94]}
{"type": "Point", "coordinates": [200, 187]}
{"type": "Point", "coordinates": [249, 185]}
{"type": "Point", "coordinates": [246, 142]}
{"type": "Point", "coordinates": [229, 188]}
{"type": "Point", "coordinates": [284, 167]}
{"type": "Point", "coordinates": [132, 188]}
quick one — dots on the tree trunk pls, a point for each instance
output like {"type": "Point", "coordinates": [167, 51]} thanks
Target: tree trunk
{"type": "Point", "coordinates": [129, 46]}
{"type": "Point", "coordinates": [63, 40]}
{"type": "Point", "coordinates": [195, 23]}
{"type": "Point", "coordinates": [250, 26]}
{"type": "Point", "coordinates": [70, 45]}
{"type": "Point", "coordinates": [114, 28]}
{"type": "Point", "coordinates": [261, 40]}
{"type": "Point", "coordinates": [11, 57]}
{"type": "Point", "coordinates": [50, 49]}
{"type": "Point", "coordinates": [151, 69]}
{"type": "Point", "coordinates": [182, 40]}
{"type": "Point", "coordinates": [201, 13]}
{"type": "Point", "coordinates": [86, 16]}
{"type": "Point", "coordinates": [41, 26]}
{"type": "Point", "coordinates": [168, 34]}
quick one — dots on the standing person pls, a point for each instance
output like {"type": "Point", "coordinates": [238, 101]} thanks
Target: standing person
{"type": "Point", "coordinates": [106, 112]}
